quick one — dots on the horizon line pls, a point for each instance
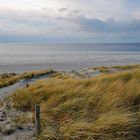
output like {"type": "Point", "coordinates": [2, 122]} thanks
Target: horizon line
{"type": "Point", "coordinates": [69, 43]}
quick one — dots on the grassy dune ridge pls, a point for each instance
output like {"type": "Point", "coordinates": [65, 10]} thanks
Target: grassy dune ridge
{"type": "Point", "coordinates": [11, 78]}
{"type": "Point", "coordinates": [108, 69]}
{"type": "Point", "coordinates": [106, 107]}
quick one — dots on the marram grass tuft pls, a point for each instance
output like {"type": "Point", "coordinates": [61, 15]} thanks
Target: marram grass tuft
{"type": "Point", "coordinates": [103, 108]}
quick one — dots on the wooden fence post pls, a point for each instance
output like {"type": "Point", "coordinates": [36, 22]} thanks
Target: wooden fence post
{"type": "Point", "coordinates": [37, 120]}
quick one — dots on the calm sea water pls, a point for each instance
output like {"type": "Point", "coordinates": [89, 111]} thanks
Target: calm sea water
{"type": "Point", "coordinates": [24, 57]}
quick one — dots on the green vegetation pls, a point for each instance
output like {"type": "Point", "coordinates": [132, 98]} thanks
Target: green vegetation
{"type": "Point", "coordinates": [11, 78]}
{"type": "Point", "coordinates": [102, 69]}
{"type": "Point", "coordinates": [108, 69]}
{"type": "Point", "coordinates": [8, 79]}
{"type": "Point", "coordinates": [126, 67]}
{"type": "Point", "coordinates": [103, 108]}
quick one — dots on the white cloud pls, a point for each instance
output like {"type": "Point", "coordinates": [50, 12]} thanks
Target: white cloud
{"type": "Point", "coordinates": [67, 18]}
{"type": "Point", "coordinates": [100, 9]}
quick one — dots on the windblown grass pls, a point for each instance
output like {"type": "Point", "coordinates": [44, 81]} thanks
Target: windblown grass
{"type": "Point", "coordinates": [9, 79]}
{"type": "Point", "coordinates": [107, 69]}
{"type": "Point", "coordinates": [102, 69]}
{"type": "Point", "coordinates": [103, 108]}
{"type": "Point", "coordinates": [127, 67]}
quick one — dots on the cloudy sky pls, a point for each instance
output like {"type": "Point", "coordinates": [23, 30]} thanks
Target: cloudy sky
{"type": "Point", "coordinates": [70, 21]}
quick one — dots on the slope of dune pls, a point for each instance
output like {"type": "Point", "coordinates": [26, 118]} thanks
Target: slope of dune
{"type": "Point", "coordinates": [106, 107]}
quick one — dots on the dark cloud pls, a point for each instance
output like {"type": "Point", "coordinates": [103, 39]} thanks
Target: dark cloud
{"type": "Point", "coordinates": [108, 26]}
{"type": "Point", "coordinates": [70, 12]}
{"type": "Point", "coordinates": [76, 11]}
{"type": "Point", "coordinates": [62, 9]}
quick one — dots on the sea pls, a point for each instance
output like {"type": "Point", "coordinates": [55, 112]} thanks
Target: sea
{"type": "Point", "coordinates": [29, 56]}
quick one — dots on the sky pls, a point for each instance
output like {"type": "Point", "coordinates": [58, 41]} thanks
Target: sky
{"type": "Point", "coordinates": [69, 21]}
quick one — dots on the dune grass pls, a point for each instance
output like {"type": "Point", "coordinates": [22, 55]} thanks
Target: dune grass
{"type": "Point", "coordinates": [108, 69]}
{"type": "Point", "coordinates": [11, 78]}
{"type": "Point", "coordinates": [103, 108]}
{"type": "Point", "coordinates": [127, 67]}
{"type": "Point", "coordinates": [8, 79]}
{"type": "Point", "coordinates": [102, 69]}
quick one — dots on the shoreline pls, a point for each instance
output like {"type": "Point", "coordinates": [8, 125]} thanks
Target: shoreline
{"type": "Point", "coordinates": [67, 67]}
